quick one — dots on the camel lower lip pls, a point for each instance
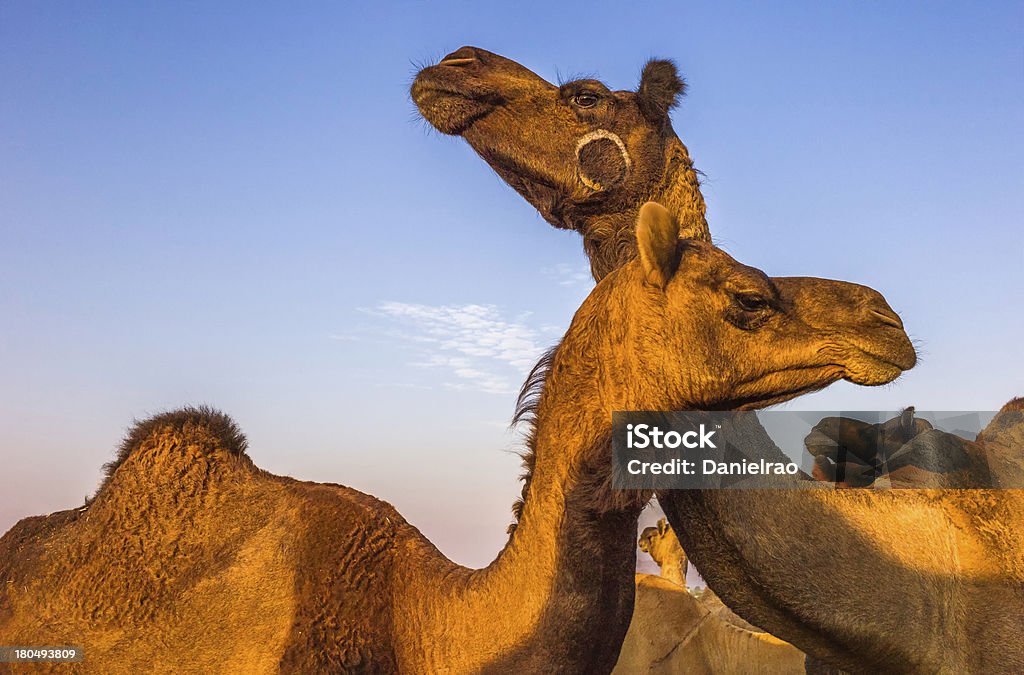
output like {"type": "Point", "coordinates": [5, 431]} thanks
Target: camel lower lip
{"type": "Point", "coordinates": [882, 371]}
{"type": "Point", "coordinates": [450, 112]}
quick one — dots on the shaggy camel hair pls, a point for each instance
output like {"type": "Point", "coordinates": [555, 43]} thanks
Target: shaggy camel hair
{"type": "Point", "coordinates": [188, 543]}
{"type": "Point", "coordinates": [911, 581]}
{"type": "Point", "coordinates": [585, 156]}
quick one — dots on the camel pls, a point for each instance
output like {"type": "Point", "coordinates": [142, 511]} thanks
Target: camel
{"type": "Point", "coordinates": [824, 566]}
{"type": "Point", "coordinates": [673, 631]}
{"type": "Point", "coordinates": [867, 580]}
{"type": "Point", "coordinates": [908, 452]}
{"type": "Point", "coordinates": [661, 543]}
{"type": "Point", "coordinates": [584, 156]}
{"type": "Point", "coordinates": [188, 543]}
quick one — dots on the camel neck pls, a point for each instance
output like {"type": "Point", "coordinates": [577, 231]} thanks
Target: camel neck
{"type": "Point", "coordinates": [608, 236]}
{"type": "Point", "coordinates": [560, 594]}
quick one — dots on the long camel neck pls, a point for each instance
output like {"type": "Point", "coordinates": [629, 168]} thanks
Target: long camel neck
{"type": "Point", "coordinates": [608, 236]}
{"type": "Point", "coordinates": [559, 596]}
{"type": "Point", "coordinates": [869, 578]}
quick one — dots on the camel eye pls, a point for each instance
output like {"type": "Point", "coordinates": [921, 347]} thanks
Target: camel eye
{"type": "Point", "coordinates": [752, 302]}
{"type": "Point", "coordinates": [585, 99]}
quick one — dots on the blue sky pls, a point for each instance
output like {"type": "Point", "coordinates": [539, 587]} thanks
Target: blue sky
{"type": "Point", "coordinates": [236, 204]}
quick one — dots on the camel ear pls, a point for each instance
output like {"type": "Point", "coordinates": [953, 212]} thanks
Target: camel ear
{"type": "Point", "coordinates": [907, 425]}
{"type": "Point", "coordinates": [660, 89]}
{"type": "Point", "coordinates": [657, 239]}
{"type": "Point", "coordinates": [662, 526]}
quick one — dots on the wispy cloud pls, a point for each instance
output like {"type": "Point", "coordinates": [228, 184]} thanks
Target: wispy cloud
{"type": "Point", "coordinates": [475, 345]}
{"type": "Point", "coordinates": [569, 275]}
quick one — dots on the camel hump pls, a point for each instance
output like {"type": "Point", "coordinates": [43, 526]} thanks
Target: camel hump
{"type": "Point", "coordinates": [178, 436]}
{"type": "Point", "coordinates": [1016, 405]}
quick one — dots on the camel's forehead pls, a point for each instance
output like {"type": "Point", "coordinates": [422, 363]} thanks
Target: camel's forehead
{"type": "Point", "coordinates": [704, 254]}
{"type": "Point", "coordinates": [575, 82]}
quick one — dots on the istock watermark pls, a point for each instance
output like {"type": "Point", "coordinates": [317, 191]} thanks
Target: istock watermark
{"type": "Point", "coordinates": [816, 450]}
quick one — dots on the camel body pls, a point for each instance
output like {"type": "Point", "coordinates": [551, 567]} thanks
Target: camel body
{"type": "Point", "coordinates": [674, 632]}
{"type": "Point", "coordinates": [187, 542]}
{"type": "Point", "coordinates": [953, 558]}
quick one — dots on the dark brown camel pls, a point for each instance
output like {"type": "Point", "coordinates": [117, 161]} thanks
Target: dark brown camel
{"type": "Point", "coordinates": [190, 557]}
{"type": "Point", "coordinates": [908, 452]}
{"type": "Point", "coordinates": [585, 156]}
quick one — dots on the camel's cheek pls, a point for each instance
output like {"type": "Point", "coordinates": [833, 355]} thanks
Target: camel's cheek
{"type": "Point", "coordinates": [602, 160]}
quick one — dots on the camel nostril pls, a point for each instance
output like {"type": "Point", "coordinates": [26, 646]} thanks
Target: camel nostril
{"type": "Point", "coordinates": [460, 57]}
{"type": "Point", "coordinates": [888, 317]}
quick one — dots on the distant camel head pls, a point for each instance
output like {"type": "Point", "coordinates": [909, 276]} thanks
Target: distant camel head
{"type": "Point", "coordinates": [661, 543]}
{"type": "Point", "coordinates": [910, 452]}
{"type": "Point", "coordinates": [585, 156]}
{"type": "Point", "coordinates": [704, 331]}
{"type": "Point", "coordinates": [841, 443]}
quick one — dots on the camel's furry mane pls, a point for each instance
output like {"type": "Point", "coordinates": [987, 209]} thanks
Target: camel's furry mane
{"type": "Point", "coordinates": [526, 413]}
{"type": "Point", "coordinates": [187, 419]}
{"type": "Point", "coordinates": [594, 478]}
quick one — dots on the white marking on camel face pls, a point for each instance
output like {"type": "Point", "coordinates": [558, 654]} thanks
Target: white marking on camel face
{"type": "Point", "coordinates": [600, 177]}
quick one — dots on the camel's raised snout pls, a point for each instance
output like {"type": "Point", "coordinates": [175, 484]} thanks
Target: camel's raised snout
{"type": "Point", "coordinates": [463, 87]}
{"type": "Point", "coordinates": [861, 330]}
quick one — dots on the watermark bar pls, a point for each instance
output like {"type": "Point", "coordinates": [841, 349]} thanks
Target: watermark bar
{"type": "Point", "coordinates": [41, 654]}
{"type": "Point", "coordinates": [699, 450]}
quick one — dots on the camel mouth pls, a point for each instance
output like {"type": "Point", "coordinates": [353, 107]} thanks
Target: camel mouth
{"type": "Point", "coordinates": [872, 370]}
{"type": "Point", "coordinates": [451, 101]}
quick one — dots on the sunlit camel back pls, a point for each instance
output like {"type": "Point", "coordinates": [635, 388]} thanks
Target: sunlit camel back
{"type": "Point", "coordinates": [192, 558]}
{"type": "Point", "coordinates": [585, 156]}
{"type": "Point", "coordinates": [675, 632]}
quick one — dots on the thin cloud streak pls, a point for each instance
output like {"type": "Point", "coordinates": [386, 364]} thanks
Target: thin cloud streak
{"type": "Point", "coordinates": [476, 344]}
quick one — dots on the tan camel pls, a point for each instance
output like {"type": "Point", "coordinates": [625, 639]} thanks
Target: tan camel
{"type": "Point", "coordinates": [824, 568]}
{"type": "Point", "coordinates": [189, 553]}
{"type": "Point", "coordinates": [674, 632]}
{"type": "Point", "coordinates": [661, 543]}
{"type": "Point", "coordinates": [585, 156]}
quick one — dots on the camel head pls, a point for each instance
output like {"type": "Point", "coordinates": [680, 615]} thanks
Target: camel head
{"type": "Point", "coordinates": [580, 153]}
{"type": "Point", "coordinates": [663, 546]}
{"type": "Point", "coordinates": [852, 451]}
{"type": "Point", "coordinates": [699, 330]}
{"type": "Point", "coordinates": [660, 542]}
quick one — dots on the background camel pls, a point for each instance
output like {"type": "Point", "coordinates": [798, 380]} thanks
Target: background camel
{"type": "Point", "coordinates": [907, 452]}
{"type": "Point", "coordinates": [661, 544]}
{"type": "Point", "coordinates": [585, 156]}
{"type": "Point", "coordinates": [187, 542]}
{"type": "Point", "coordinates": [674, 632]}
{"type": "Point", "coordinates": [812, 573]}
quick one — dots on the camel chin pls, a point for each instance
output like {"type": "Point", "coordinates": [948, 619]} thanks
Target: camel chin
{"type": "Point", "coordinates": [868, 370]}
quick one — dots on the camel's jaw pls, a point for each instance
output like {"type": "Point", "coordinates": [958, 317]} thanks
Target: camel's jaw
{"type": "Point", "coordinates": [877, 358]}
{"type": "Point", "coordinates": [448, 111]}
{"type": "Point", "coordinates": [755, 396]}
{"type": "Point", "coordinates": [872, 370]}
